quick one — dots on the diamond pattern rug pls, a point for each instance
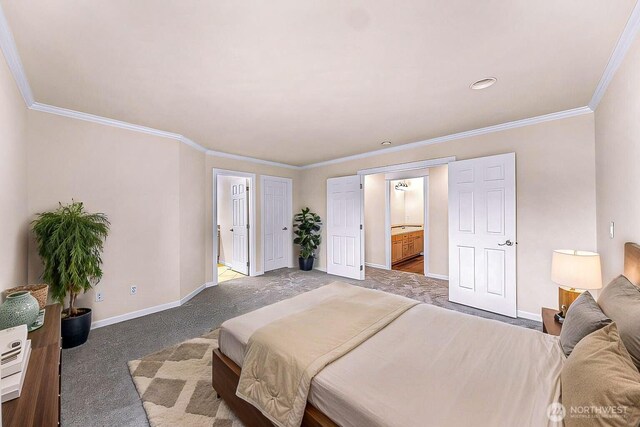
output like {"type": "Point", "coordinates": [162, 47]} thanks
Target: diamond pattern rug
{"type": "Point", "coordinates": [175, 386]}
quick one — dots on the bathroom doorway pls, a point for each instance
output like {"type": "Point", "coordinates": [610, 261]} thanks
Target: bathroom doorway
{"type": "Point", "coordinates": [407, 217]}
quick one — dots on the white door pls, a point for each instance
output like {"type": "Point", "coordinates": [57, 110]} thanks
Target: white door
{"type": "Point", "coordinates": [276, 225]}
{"type": "Point", "coordinates": [482, 233]}
{"type": "Point", "coordinates": [240, 206]}
{"type": "Point", "coordinates": [345, 240]}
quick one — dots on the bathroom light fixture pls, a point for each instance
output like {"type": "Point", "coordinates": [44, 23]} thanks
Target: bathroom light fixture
{"type": "Point", "coordinates": [385, 143]}
{"type": "Point", "coordinates": [483, 83]}
{"type": "Point", "coordinates": [402, 186]}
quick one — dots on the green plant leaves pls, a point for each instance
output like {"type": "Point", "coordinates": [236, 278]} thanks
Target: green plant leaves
{"type": "Point", "coordinates": [307, 227]}
{"type": "Point", "coordinates": [70, 242]}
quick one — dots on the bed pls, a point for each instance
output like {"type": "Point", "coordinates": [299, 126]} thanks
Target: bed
{"type": "Point", "coordinates": [428, 367]}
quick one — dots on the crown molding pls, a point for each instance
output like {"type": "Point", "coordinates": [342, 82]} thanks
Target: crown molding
{"type": "Point", "coordinates": [192, 144]}
{"type": "Point", "coordinates": [252, 160]}
{"type": "Point", "coordinates": [59, 111]}
{"type": "Point", "coordinates": [411, 166]}
{"type": "Point", "coordinates": [619, 52]}
{"type": "Point", "coordinates": [10, 51]}
{"type": "Point", "coordinates": [51, 109]}
{"type": "Point", "coordinates": [475, 132]}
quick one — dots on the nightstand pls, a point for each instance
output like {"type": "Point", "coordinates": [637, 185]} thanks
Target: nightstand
{"type": "Point", "coordinates": [550, 325]}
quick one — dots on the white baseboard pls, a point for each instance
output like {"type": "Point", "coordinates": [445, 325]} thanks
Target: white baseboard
{"type": "Point", "coordinates": [193, 293]}
{"type": "Point", "coordinates": [259, 273]}
{"type": "Point", "coordinates": [134, 314]}
{"type": "Point", "coordinates": [324, 270]}
{"type": "Point", "coordinates": [150, 310]}
{"type": "Point", "coordinates": [529, 316]}
{"type": "Point", "coordinates": [374, 265]}
{"type": "Point", "coordinates": [437, 276]}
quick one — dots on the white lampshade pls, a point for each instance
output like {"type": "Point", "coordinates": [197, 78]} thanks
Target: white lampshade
{"type": "Point", "coordinates": [576, 269]}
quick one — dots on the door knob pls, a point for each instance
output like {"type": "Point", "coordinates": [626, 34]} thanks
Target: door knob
{"type": "Point", "coordinates": [231, 229]}
{"type": "Point", "coordinates": [285, 229]}
{"type": "Point", "coordinates": [507, 243]}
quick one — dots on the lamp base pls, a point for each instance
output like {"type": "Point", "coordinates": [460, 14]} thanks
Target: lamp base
{"type": "Point", "coordinates": [566, 297]}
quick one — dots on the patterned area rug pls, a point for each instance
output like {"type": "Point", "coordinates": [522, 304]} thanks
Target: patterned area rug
{"type": "Point", "coordinates": [175, 386]}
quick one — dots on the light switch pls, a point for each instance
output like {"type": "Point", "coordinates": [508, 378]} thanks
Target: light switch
{"type": "Point", "coordinates": [612, 229]}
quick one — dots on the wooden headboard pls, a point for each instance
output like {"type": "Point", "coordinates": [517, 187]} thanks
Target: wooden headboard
{"type": "Point", "coordinates": [632, 262]}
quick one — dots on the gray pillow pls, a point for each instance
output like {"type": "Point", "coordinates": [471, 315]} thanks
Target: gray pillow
{"type": "Point", "coordinates": [583, 317]}
{"type": "Point", "coordinates": [620, 300]}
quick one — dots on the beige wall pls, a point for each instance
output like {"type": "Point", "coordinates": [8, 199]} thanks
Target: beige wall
{"type": "Point", "coordinates": [396, 205]}
{"type": "Point", "coordinates": [414, 202]}
{"type": "Point", "coordinates": [152, 189]}
{"type": "Point", "coordinates": [132, 177]}
{"type": "Point", "coordinates": [617, 135]}
{"type": "Point", "coordinates": [13, 183]}
{"type": "Point", "coordinates": [556, 192]}
{"type": "Point", "coordinates": [407, 207]}
{"type": "Point", "coordinates": [192, 215]}
{"type": "Point", "coordinates": [157, 193]}
{"type": "Point", "coordinates": [374, 219]}
{"type": "Point", "coordinates": [438, 227]}
{"type": "Point", "coordinates": [258, 169]}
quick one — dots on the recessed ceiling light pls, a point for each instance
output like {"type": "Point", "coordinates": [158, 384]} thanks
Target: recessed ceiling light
{"type": "Point", "coordinates": [483, 83]}
{"type": "Point", "coordinates": [385, 143]}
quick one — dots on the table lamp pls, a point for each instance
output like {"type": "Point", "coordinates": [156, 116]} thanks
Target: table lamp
{"type": "Point", "coordinates": [574, 270]}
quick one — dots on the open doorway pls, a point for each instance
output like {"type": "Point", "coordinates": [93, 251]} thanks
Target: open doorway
{"type": "Point", "coordinates": [406, 221]}
{"type": "Point", "coordinates": [407, 215]}
{"type": "Point", "coordinates": [234, 238]}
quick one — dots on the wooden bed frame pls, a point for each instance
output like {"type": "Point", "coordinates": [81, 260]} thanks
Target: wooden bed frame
{"type": "Point", "coordinates": [226, 374]}
{"type": "Point", "coordinates": [225, 378]}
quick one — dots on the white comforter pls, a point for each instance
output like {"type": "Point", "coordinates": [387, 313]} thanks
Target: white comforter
{"type": "Point", "coordinates": [430, 367]}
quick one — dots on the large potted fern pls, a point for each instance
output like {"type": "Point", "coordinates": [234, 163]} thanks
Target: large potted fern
{"type": "Point", "coordinates": [70, 242]}
{"type": "Point", "coordinates": [307, 230]}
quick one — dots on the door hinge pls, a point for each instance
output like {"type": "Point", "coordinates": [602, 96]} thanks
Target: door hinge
{"type": "Point", "coordinates": [247, 188]}
{"type": "Point", "coordinates": [360, 226]}
{"type": "Point", "coordinates": [361, 186]}
{"type": "Point", "coordinates": [361, 267]}
{"type": "Point", "coordinates": [247, 263]}
{"type": "Point", "coordinates": [247, 226]}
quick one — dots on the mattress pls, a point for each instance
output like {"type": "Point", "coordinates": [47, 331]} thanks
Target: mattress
{"type": "Point", "coordinates": [429, 367]}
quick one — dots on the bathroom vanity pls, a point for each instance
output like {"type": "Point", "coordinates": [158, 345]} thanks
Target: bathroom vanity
{"type": "Point", "coordinates": [407, 242]}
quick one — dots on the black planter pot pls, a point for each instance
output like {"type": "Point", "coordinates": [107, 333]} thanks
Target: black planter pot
{"type": "Point", "coordinates": [306, 264]}
{"type": "Point", "coordinates": [75, 330]}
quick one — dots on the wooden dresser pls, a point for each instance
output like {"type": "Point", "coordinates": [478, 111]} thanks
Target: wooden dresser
{"type": "Point", "coordinates": [406, 245]}
{"type": "Point", "coordinates": [39, 402]}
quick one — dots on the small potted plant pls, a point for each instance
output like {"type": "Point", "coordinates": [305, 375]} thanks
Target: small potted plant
{"type": "Point", "coordinates": [70, 242]}
{"type": "Point", "coordinates": [307, 230]}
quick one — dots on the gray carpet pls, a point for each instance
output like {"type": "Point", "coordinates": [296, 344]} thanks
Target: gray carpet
{"type": "Point", "coordinates": [97, 389]}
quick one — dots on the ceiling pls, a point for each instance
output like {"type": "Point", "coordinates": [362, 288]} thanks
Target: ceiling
{"type": "Point", "coordinates": [300, 82]}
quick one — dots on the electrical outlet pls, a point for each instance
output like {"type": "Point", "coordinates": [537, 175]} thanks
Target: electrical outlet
{"type": "Point", "coordinates": [99, 297]}
{"type": "Point", "coordinates": [134, 290]}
